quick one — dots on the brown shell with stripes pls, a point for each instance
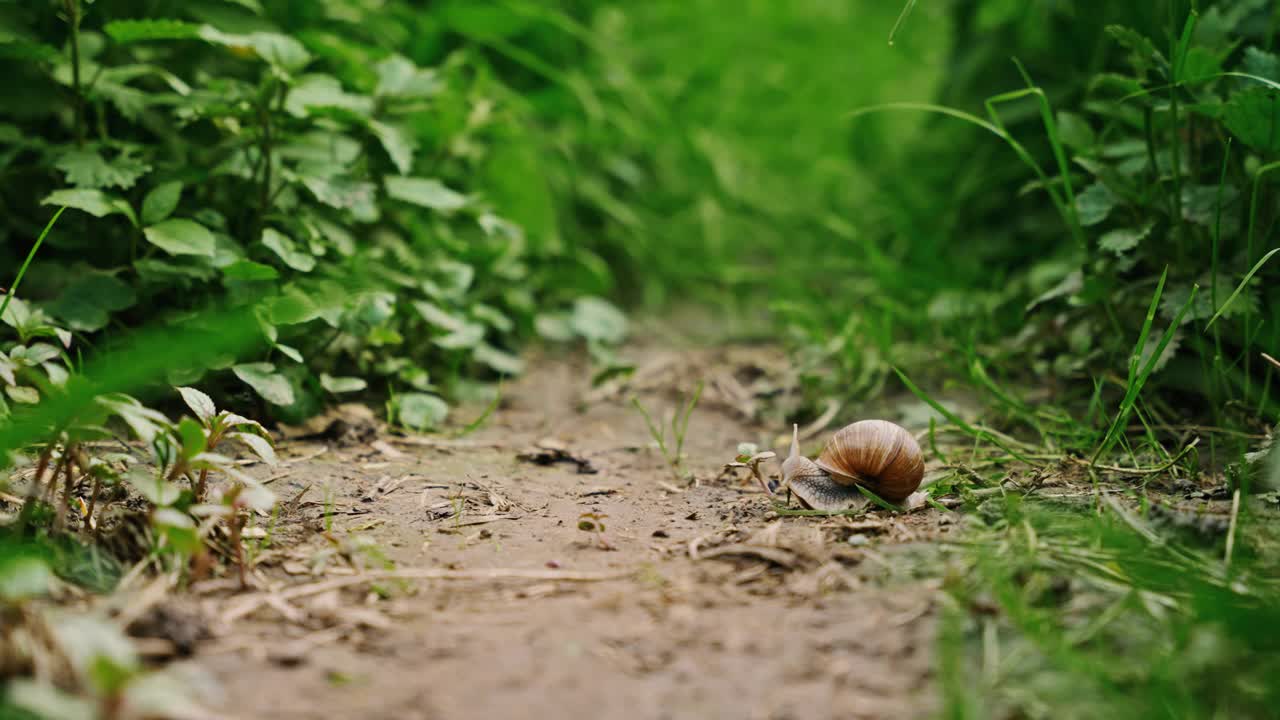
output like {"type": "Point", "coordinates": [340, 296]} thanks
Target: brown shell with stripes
{"type": "Point", "coordinates": [877, 454]}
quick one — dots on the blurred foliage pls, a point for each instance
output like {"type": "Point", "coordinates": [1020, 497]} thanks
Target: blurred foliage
{"type": "Point", "coordinates": [1154, 133]}
{"type": "Point", "coordinates": [1112, 616]}
{"type": "Point", "coordinates": [390, 198]}
{"type": "Point", "coordinates": [356, 173]}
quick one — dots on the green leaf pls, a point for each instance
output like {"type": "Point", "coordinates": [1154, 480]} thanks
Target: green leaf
{"type": "Point", "coordinates": [88, 169]}
{"type": "Point", "coordinates": [263, 378]}
{"type": "Point", "coordinates": [87, 303]}
{"type": "Point", "coordinates": [357, 197]}
{"type": "Point", "coordinates": [161, 202]}
{"type": "Point", "coordinates": [145, 423]}
{"type": "Point", "coordinates": [1142, 52]}
{"type": "Point", "coordinates": [33, 355]}
{"type": "Point", "coordinates": [468, 336]}
{"type": "Point", "coordinates": [22, 394]}
{"type": "Point", "coordinates": [177, 529]}
{"type": "Point", "coordinates": [130, 31]}
{"type": "Point", "coordinates": [596, 319]}
{"type": "Point", "coordinates": [279, 51]}
{"type": "Point", "coordinates": [1125, 239]}
{"type": "Point", "coordinates": [1176, 297]}
{"type": "Point", "coordinates": [287, 251]}
{"type": "Point", "coordinates": [95, 202]}
{"type": "Point", "coordinates": [554, 326]}
{"type": "Point", "coordinates": [398, 77]}
{"type": "Point", "coordinates": [24, 577]}
{"type": "Point", "coordinates": [400, 146]}
{"type": "Point", "coordinates": [1075, 131]}
{"type": "Point", "coordinates": [337, 385]}
{"type": "Point", "coordinates": [500, 360]}
{"type": "Point", "coordinates": [440, 318]}
{"type": "Point", "coordinates": [191, 433]}
{"type": "Point", "coordinates": [317, 92]}
{"type": "Point", "coordinates": [420, 411]}
{"type": "Point", "coordinates": [247, 270]}
{"type": "Point", "coordinates": [290, 352]}
{"type": "Point", "coordinates": [41, 699]}
{"type": "Point", "coordinates": [29, 51]}
{"type": "Point", "coordinates": [292, 307]}
{"type": "Point", "coordinates": [1200, 64]}
{"type": "Point", "coordinates": [495, 318]}
{"type": "Point", "coordinates": [1095, 204]}
{"type": "Point", "coordinates": [7, 370]}
{"type": "Point", "coordinates": [258, 444]}
{"type": "Point", "coordinates": [19, 315]}
{"type": "Point", "coordinates": [200, 403]}
{"type": "Point", "coordinates": [155, 489]}
{"type": "Point", "coordinates": [1253, 115]}
{"type": "Point", "coordinates": [1262, 63]}
{"type": "Point", "coordinates": [425, 193]}
{"type": "Point", "coordinates": [455, 277]}
{"type": "Point", "coordinates": [176, 273]}
{"type": "Point", "coordinates": [232, 420]}
{"type": "Point", "coordinates": [1200, 202]}
{"type": "Point", "coordinates": [182, 237]}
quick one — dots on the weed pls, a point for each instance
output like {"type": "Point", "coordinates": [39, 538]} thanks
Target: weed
{"type": "Point", "coordinates": [330, 508]}
{"type": "Point", "coordinates": [677, 425]}
{"type": "Point", "coordinates": [593, 523]}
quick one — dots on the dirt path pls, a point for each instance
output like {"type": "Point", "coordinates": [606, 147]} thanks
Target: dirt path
{"type": "Point", "coordinates": [773, 618]}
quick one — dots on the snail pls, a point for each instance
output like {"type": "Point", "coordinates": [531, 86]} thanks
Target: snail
{"type": "Point", "coordinates": [876, 454]}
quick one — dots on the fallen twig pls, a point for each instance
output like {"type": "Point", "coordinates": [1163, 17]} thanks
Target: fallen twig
{"type": "Point", "coordinates": [442, 442]}
{"type": "Point", "coordinates": [777, 556]}
{"type": "Point", "coordinates": [250, 603]}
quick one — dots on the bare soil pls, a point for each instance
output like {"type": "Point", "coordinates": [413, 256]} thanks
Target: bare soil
{"type": "Point", "coordinates": [697, 600]}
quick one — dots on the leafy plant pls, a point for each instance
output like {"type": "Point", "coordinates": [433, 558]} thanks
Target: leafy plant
{"type": "Point", "coordinates": [356, 198]}
{"type": "Point", "coordinates": [591, 522]}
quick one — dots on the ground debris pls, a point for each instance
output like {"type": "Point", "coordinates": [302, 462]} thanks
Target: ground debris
{"type": "Point", "coordinates": [182, 626]}
{"type": "Point", "coordinates": [740, 379]}
{"type": "Point", "coordinates": [550, 451]}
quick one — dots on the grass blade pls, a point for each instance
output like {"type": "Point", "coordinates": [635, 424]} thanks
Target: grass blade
{"type": "Point", "coordinates": [1138, 376]}
{"type": "Point", "coordinates": [1240, 288]}
{"type": "Point", "coordinates": [995, 129]}
{"type": "Point", "coordinates": [13, 290]}
{"type": "Point", "coordinates": [479, 422]}
{"type": "Point", "coordinates": [902, 18]}
{"type": "Point", "coordinates": [957, 420]}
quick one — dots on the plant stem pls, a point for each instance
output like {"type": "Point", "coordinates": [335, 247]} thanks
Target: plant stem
{"type": "Point", "coordinates": [93, 503]}
{"type": "Point", "coordinates": [68, 484]}
{"type": "Point", "coordinates": [237, 527]}
{"type": "Point", "coordinates": [73, 19]}
{"type": "Point", "coordinates": [265, 197]}
{"type": "Point", "coordinates": [33, 492]}
{"type": "Point", "coordinates": [202, 485]}
{"type": "Point", "coordinates": [60, 515]}
{"type": "Point", "coordinates": [22, 271]}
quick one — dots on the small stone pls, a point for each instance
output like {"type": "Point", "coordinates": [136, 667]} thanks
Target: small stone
{"type": "Point", "coordinates": [858, 540]}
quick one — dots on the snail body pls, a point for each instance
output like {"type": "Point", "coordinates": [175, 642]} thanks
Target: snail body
{"type": "Point", "coordinates": [875, 454]}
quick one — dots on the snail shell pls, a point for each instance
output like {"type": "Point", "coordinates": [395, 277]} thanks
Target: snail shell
{"type": "Point", "coordinates": [876, 454]}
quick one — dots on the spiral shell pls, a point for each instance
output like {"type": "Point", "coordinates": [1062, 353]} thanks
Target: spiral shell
{"type": "Point", "coordinates": [876, 454]}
